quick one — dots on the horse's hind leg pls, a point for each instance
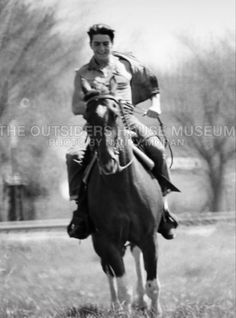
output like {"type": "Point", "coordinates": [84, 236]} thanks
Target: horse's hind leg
{"type": "Point", "coordinates": [113, 266]}
{"type": "Point", "coordinates": [137, 254]}
{"type": "Point", "coordinates": [150, 255]}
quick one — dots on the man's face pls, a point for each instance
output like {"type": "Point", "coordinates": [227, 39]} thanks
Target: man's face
{"type": "Point", "coordinates": [102, 47]}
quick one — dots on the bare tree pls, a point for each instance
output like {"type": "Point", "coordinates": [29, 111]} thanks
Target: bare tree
{"type": "Point", "coordinates": [203, 95]}
{"type": "Point", "coordinates": [33, 53]}
{"type": "Point", "coordinates": [34, 58]}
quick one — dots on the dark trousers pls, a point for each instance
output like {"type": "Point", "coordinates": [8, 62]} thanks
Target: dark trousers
{"type": "Point", "coordinates": [77, 161]}
{"type": "Point", "coordinates": [152, 146]}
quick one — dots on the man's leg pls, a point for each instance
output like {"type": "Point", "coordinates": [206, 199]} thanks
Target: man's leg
{"type": "Point", "coordinates": [75, 169]}
{"type": "Point", "coordinates": [155, 150]}
{"type": "Point", "coordinates": [80, 226]}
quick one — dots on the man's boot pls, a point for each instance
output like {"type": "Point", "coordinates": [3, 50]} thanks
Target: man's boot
{"type": "Point", "coordinates": [168, 223]}
{"type": "Point", "coordinates": [80, 226]}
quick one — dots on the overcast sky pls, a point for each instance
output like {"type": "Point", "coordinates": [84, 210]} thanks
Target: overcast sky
{"type": "Point", "coordinates": [148, 28]}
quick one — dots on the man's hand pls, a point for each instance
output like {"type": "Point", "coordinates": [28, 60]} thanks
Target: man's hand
{"type": "Point", "coordinates": [151, 112]}
{"type": "Point", "coordinates": [154, 110]}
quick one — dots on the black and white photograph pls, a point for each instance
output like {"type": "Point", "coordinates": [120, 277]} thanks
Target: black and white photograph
{"type": "Point", "coordinates": [117, 159]}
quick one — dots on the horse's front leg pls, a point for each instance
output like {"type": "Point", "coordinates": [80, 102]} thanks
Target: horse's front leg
{"type": "Point", "coordinates": [113, 266]}
{"type": "Point", "coordinates": [140, 302]}
{"type": "Point", "coordinates": [150, 255]}
{"type": "Point", "coordinates": [113, 292]}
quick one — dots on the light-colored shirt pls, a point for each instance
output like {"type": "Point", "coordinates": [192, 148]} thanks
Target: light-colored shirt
{"type": "Point", "coordinates": [99, 78]}
{"type": "Point", "coordinates": [135, 83]}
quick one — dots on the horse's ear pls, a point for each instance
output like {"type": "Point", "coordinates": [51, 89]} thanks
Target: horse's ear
{"type": "Point", "coordinates": [113, 86]}
{"type": "Point", "coordinates": [86, 87]}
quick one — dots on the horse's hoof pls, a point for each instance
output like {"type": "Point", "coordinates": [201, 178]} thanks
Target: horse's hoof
{"type": "Point", "coordinates": [140, 304]}
{"type": "Point", "coordinates": [155, 314]}
{"type": "Point", "coordinates": [115, 306]}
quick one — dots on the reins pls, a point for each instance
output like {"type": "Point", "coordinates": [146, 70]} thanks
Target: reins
{"type": "Point", "coordinates": [119, 169]}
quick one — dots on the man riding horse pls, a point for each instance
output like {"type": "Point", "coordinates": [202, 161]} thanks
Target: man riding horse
{"type": "Point", "coordinates": [134, 84]}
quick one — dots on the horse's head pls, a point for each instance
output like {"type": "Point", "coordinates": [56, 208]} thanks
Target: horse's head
{"type": "Point", "coordinates": [105, 126]}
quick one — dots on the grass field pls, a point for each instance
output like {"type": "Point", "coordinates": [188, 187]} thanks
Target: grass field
{"type": "Point", "coordinates": [61, 278]}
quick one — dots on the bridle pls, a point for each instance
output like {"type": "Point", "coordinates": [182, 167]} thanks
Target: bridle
{"type": "Point", "coordinates": [116, 149]}
{"type": "Point", "coordinates": [102, 96]}
{"type": "Point", "coordinates": [119, 167]}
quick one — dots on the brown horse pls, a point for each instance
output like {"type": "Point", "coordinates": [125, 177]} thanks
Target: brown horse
{"type": "Point", "coordinates": [124, 200]}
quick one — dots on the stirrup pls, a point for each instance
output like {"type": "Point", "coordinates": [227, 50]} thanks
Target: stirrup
{"type": "Point", "coordinates": [168, 217]}
{"type": "Point", "coordinates": [167, 225]}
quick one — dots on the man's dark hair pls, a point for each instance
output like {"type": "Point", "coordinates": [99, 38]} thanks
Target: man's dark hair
{"type": "Point", "coordinates": [101, 29]}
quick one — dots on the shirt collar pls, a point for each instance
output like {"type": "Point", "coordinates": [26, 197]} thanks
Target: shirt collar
{"type": "Point", "coordinates": [93, 65]}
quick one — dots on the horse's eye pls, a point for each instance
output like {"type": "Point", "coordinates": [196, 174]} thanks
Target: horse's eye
{"type": "Point", "coordinates": [114, 106]}
{"type": "Point", "coordinates": [108, 128]}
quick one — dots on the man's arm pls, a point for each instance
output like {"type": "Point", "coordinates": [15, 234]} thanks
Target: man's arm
{"type": "Point", "coordinates": [78, 105]}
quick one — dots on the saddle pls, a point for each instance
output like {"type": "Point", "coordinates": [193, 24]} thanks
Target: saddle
{"type": "Point", "coordinates": [147, 162]}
